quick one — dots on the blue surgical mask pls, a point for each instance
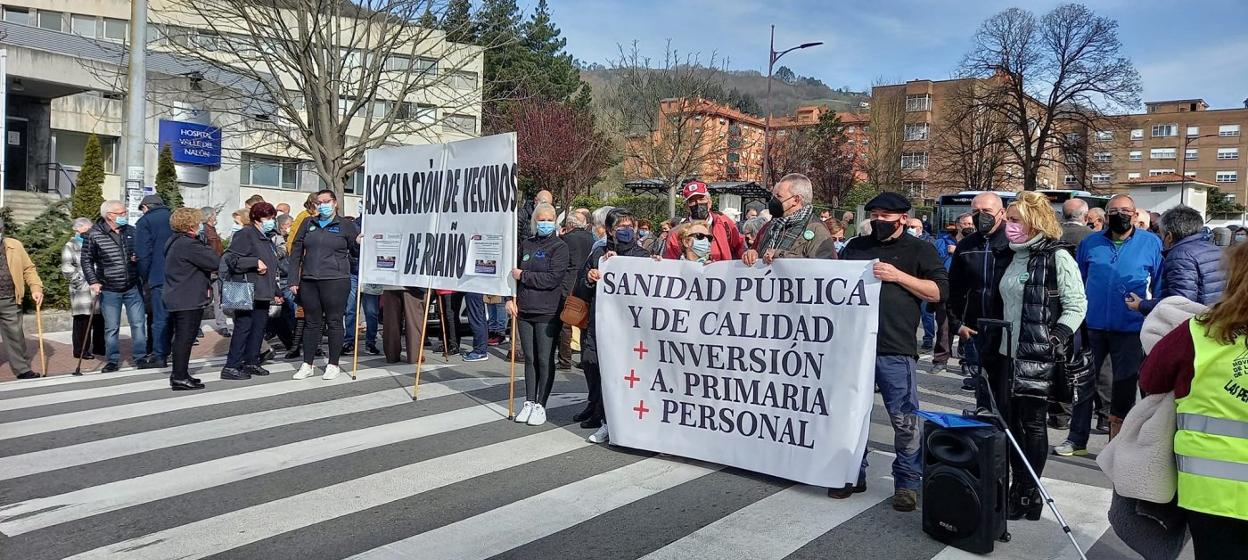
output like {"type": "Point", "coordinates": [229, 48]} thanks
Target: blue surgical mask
{"type": "Point", "coordinates": [267, 225]}
{"type": "Point", "coordinates": [913, 231]}
{"type": "Point", "coordinates": [839, 245]}
{"type": "Point", "coordinates": [236, 228]}
{"type": "Point", "coordinates": [545, 228]}
{"type": "Point", "coordinates": [702, 247]}
{"type": "Point", "coordinates": [122, 220]}
{"type": "Point", "coordinates": [78, 237]}
{"type": "Point", "coordinates": [325, 210]}
{"type": "Point", "coordinates": [624, 235]}
{"type": "Point", "coordinates": [643, 233]}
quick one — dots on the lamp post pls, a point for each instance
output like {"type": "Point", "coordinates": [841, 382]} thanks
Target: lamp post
{"type": "Point", "coordinates": [1183, 166]}
{"type": "Point", "coordinates": [773, 56]}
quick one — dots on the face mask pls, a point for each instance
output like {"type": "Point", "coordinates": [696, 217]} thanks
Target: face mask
{"type": "Point", "coordinates": [267, 225]}
{"type": "Point", "coordinates": [359, 208]}
{"type": "Point", "coordinates": [967, 231]}
{"type": "Point", "coordinates": [325, 210]}
{"type": "Point", "coordinates": [545, 228]}
{"type": "Point", "coordinates": [984, 222]}
{"type": "Point", "coordinates": [200, 231]}
{"type": "Point", "coordinates": [236, 228]}
{"type": "Point", "coordinates": [699, 211]}
{"type": "Point", "coordinates": [644, 233]}
{"type": "Point", "coordinates": [624, 236]}
{"type": "Point", "coordinates": [839, 245]}
{"type": "Point", "coordinates": [883, 229]}
{"type": "Point", "coordinates": [701, 247]}
{"type": "Point", "coordinates": [1014, 232]}
{"type": "Point", "coordinates": [775, 207]}
{"type": "Point", "coordinates": [122, 220]}
{"type": "Point", "coordinates": [1119, 223]}
{"type": "Point", "coordinates": [913, 231]}
{"type": "Point", "coordinates": [78, 237]}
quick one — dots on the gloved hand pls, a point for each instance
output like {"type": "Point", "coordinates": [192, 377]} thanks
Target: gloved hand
{"type": "Point", "coordinates": [1060, 337]}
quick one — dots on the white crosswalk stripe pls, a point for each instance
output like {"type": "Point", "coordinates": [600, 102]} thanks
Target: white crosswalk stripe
{"type": "Point", "coordinates": [46, 512]}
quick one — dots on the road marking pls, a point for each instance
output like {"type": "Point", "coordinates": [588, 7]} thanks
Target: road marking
{"type": "Point", "coordinates": [518, 523]}
{"type": "Point", "coordinates": [238, 528]}
{"type": "Point", "coordinates": [30, 515]}
{"type": "Point", "coordinates": [16, 466]}
{"type": "Point", "coordinates": [96, 375]}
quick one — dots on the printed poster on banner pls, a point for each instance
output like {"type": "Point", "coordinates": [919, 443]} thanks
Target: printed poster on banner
{"type": "Point", "coordinates": [769, 369]}
{"type": "Point", "coordinates": [442, 216]}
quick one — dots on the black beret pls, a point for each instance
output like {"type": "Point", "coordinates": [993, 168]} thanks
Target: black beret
{"type": "Point", "coordinates": [889, 202]}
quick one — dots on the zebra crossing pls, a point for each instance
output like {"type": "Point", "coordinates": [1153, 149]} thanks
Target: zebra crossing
{"type": "Point", "coordinates": [118, 466]}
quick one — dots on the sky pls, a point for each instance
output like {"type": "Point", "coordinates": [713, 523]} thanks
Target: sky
{"type": "Point", "coordinates": [1182, 49]}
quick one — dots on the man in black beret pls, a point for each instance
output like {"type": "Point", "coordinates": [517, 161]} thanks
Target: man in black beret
{"type": "Point", "coordinates": [912, 273]}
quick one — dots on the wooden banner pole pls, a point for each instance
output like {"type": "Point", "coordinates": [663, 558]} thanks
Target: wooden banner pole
{"type": "Point", "coordinates": [355, 346]}
{"type": "Point", "coordinates": [511, 391]}
{"type": "Point", "coordinates": [446, 336]}
{"type": "Point", "coordinates": [420, 348]}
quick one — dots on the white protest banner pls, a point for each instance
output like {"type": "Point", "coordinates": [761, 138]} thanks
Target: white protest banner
{"type": "Point", "coordinates": [442, 216]}
{"type": "Point", "coordinates": [769, 369]}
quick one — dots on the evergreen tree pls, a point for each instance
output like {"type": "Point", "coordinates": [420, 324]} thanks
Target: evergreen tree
{"type": "Point", "coordinates": [457, 22]}
{"type": "Point", "coordinates": [89, 188]}
{"type": "Point", "coordinates": [167, 179]}
{"type": "Point", "coordinates": [551, 71]}
{"type": "Point", "coordinates": [497, 29]}
{"type": "Point", "coordinates": [428, 20]}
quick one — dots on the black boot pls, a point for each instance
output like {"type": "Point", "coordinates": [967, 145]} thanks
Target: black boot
{"type": "Point", "coordinates": [1033, 504]}
{"type": "Point", "coordinates": [1015, 508]}
{"type": "Point", "coordinates": [296, 348]}
{"type": "Point", "coordinates": [583, 415]}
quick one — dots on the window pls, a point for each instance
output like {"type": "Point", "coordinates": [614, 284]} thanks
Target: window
{"type": "Point", "coordinates": [1157, 188]}
{"type": "Point", "coordinates": [1193, 131]}
{"type": "Point", "coordinates": [463, 79]}
{"type": "Point", "coordinates": [913, 189]}
{"type": "Point", "coordinates": [1160, 130]}
{"type": "Point", "coordinates": [1070, 180]}
{"type": "Point", "coordinates": [1189, 173]}
{"type": "Point", "coordinates": [396, 63]}
{"type": "Point", "coordinates": [1073, 138]}
{"type": "Point", "coordinates": [355, 183]}
{"type": "Point", "coordinates": [1104, 136]}
{"type": "Point", "coordinates": [1226, 177]}
{"type": "Point", "coordinates": [467, 124]}
{"type": "Point", "coordinates": [1137, 134]}
{"type": "Point", "coordinates": [849, 129]}
{"type": "Point", "coordinates": [71, 145]}
{"type": "Point", "coordinates": [180, 36]}
{"type": "Point", "coordinates": [426, 66]}
{"type": "Point", "coordinates": [210, 41]}
{"type": "Point", "coordinates": [20, 16]}
{"type": "Point", "coordinates": [426, 114]}
{"type": "Point", "coordinates": [1103, 157]}
{"type": "Point", "coordinates": [1228, 153]}
{"type": "Point", "coordinates": [267, 171]}
{"type": "Point", "coordinates": [914, 160]}
{"type": "Point", "coordinates": [918, 102]}
{"type": "Point", "coordinates": [1156, 172]}
{"type": "Point", "coordinates": [1101, 178]}
{"type": "Point", "coordinates": [1135, 155]}
{"type": "Point", "coordinates": [1163, 153]}
{"type": "Point", "coordinates": [916, 131]}
{"type": "Point", "coordinates": [115, 29]}
{"type": "Point", "coordinates": [1073, 157]}
{"type": "Point", "coordinates": [1228, 130]}
{"type": "Point", "coordinates": [1133, 175]}
{"type": "Point", "coordinates": [1191, 153]}
{"type": "Point", "coordinates": [50, 20]}
{"type": "Point", "coordinates": [84, 25]}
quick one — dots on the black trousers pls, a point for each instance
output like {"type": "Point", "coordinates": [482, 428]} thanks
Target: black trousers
{"type": "Point", "coordinates": [94, 342]}
{"type": "Point", "coordinates": [185, 327]}
{"type": "Point", "coordinates": [541, 338]}
{"type": "Point", "coordinates": [1218, 538]}
{"type": "Point", "coordinates": [451, 306]}
{"type": "Point", "coordinates": [1028, 418]}
{"type": "Point", "coordinates": [248, 334]}
{"type": "Point", "coordinates": [593, 375]}
{"type": "Point", "coordinates": [324, 304]}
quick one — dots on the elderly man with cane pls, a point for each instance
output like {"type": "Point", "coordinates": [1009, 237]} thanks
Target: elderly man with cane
{"type": "Point", "coordinates": [17, 272]}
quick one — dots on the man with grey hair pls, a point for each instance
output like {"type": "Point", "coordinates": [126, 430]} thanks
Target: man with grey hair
{"type": "Point", "coordinates": [580, 242]}
{"type": "Point", "coordinates": [110, 265]}
{"type": "Point", "coordinates": [1191, 265]}
{"type": "Point", "coordinates": [795, 230]}
{"type": "Point", "coordinates": [599, 226]}
{"type": "Point", "coordinates": [17, 273]}
{"type": "Point", "coordinates": [1096, 219]}
{"type": "Point", "coordinates": [1075, 221]}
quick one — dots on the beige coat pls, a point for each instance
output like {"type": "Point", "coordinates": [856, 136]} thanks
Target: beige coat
{"type": "Point", "coordinates": [22, 269]}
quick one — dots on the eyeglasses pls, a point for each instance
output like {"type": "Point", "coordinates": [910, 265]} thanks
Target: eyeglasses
{"type": "Point", "coordinates": [701, 236]}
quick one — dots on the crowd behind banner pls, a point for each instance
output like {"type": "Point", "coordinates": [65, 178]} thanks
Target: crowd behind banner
{"type": "Point", "coordinates": [1075, 289]}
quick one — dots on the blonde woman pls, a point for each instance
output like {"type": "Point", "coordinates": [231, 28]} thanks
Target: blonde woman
{"type": "Point", "coordinates": [695, 242]}
{"type": "Point", "coordinates": [1043, 298]}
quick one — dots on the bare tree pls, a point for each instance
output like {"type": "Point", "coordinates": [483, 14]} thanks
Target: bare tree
{"type": "Point", "coordinates": [821, 152]}
{"type": "Point", "coordinates": [323, 80]}
{"type": "Point", "coordinates": [1051, 79]}
{"type": "Point", "coordinates": [969, 143]}
{"type": "Point", "coordinates": [558, 147]}
{"type": "Point", "coordinates": [887, 135]}
{"type": "Point", "coordinates": [657, 110]}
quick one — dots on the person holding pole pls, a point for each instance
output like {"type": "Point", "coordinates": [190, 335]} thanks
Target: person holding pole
{"type": "Point", "coordinates": [539, 298]}
{"type": "Point", "coordinates": [325, 251]}
{"type": "Point", "coordinates": [17, 273]}
{"type": "Point", "coordinates": [88, 330]}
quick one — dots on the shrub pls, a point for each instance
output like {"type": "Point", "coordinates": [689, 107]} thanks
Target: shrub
{"type": "Point", "coordinates": [43, 238]}
{"type": "Point", "coordinates": [167, 179]}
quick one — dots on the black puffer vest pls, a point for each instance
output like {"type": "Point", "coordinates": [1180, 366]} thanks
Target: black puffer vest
{"type": "Point", "coordinates": [1037, 358]}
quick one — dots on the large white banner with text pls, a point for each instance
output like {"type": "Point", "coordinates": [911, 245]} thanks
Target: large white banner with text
{"type": "Point", "coordinates": [442, 215]}
{"type": "Point", "coordinates": [769, 368]}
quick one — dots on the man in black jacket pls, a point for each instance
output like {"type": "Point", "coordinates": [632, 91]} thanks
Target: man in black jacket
{"type": "Point", "coordinates": [110, 265]}
{"type": "Point", "coordinates": [579, 241]}
{"type": "Point", "coordinates": [974, 279]}
{"type": "Point", "coordinates": [153, 232]}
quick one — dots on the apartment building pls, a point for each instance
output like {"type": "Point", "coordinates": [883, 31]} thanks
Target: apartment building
{"type": "Point", "coordinates": [66, 79]}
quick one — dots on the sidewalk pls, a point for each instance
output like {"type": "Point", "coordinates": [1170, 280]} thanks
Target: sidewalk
{"type": "Point", "coordinates": [61, 360]}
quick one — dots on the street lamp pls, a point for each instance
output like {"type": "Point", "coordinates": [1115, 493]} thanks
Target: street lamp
{"type": "Point", "coordinates": [771, 63]}
{"type": "Point", "coordinates": [1183, 167]}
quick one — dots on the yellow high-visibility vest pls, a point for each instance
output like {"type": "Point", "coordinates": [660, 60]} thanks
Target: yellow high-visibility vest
{"type": "Point", "coordinates": [1211, 443]}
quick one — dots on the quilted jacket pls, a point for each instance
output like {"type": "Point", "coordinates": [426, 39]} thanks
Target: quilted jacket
{"type": "Point", "coordinates": [1191, 269]}
{"type": "Point", "coordinates": [109, 258]}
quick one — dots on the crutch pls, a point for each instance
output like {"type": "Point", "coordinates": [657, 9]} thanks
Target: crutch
{"type": "Point", "coordinates": [86, 337]}
{"type": "Point", "coordinates": [43, 358]}
{"type": "Point", "coordinates": [995, 412]}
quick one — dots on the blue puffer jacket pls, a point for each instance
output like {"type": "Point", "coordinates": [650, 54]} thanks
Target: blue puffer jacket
{"type": "Point", "coordinates": [1192, 269]}
{"type": "Point", "coordinates": [1110, 272]}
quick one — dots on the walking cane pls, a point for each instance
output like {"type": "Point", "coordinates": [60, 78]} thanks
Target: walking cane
{"type": "Point", "coordinates": [86, 337]}
{"type": "Point", "coordinates": [511, 383]}
{"type": "Point", "coordinates": [43, 359]}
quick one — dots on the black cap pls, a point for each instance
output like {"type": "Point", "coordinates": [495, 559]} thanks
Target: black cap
{"type": "Point", "coordinates": [889, 202]}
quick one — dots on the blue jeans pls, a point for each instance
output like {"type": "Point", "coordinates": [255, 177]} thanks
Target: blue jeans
{"type": "Point", "coordinates": [477, 320]}
{"type": "Point", "coordinates": [348, 317]}
{"type": "Point", "coordinates": [371, 305]}
{"type": "Point", "coordinates": [162, 337]}
{"type": "Point", "coordinates": [498, 317]}
{"type": "Point", "coordinates": [1126, 354]}
{"type": "Point", "coordinates": [929, 323]}
{"type": "Point", "coordinates": [895, 374]}
{"type": "Point", "coordinates": [110, 308]}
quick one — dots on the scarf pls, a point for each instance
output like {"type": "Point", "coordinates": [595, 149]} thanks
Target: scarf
{"type": "Point", "coordinates": [785, 230]}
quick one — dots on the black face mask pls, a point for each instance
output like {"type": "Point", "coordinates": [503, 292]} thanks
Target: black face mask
{"type": "Point", "coordinates": [984, 222]}
{"type": "Point", "coordinates": [775, 207]}
{"type": "Point", "coordinates": [1120, 223]}
{"type": "Point", "coordinates": [699, 211]}
{"type": "Point", "coordinates": [883, 229]}
{"type": "Point", "coordinates": [967, 231]}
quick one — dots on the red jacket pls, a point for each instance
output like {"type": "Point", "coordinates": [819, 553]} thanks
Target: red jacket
{"type": "Point", "coordinates": [727, 245]}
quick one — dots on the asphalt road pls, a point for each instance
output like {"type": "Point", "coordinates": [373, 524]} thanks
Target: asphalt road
{"type": "Point", "coordinates": [118, 466]}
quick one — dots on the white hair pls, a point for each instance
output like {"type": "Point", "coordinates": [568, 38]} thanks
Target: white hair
{"type": "Point", "coordinates": [79, 222]}
{"type": "Point", "coordinates": [541, 207]}
{"type": "Point", "coordinates": [599, 216]}
{"type": "Point", "coordinates": [800, 185]}
{"type": "Point", "coordinates": [107, 207]}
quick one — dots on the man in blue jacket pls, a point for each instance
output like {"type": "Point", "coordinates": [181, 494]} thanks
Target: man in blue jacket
{"type": "Point", "coordinates": [1120, 266]}
{"type": "Point", "coordinates": [1191, 267]}
{"type": "Point", "coordinates": [152, 234]}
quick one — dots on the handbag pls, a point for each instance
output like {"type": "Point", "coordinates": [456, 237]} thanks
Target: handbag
{"type": "Point", "coordinates": [1073, 373]}
{"type": "Point", "coordinates": [575, 312]}
{"type": "Point", "coordinates": [235, 296]}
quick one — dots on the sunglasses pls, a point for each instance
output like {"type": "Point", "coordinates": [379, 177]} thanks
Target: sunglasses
{"type": "Point", "coordinates": [701, 236]}
{"type": "Point", "coordinates": [1113, 211]}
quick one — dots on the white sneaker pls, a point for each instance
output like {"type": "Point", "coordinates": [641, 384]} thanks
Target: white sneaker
{"type": "Point", "coordinates": [305, 371]}
{"type": "Point", "coordinates": [538, 417]}
{"type": "Point", "coordinates": [331, 372]}
{"type": "Point", "coordinates": [525, 411]}
{"type": "Point", "coordinates": [600, 436]}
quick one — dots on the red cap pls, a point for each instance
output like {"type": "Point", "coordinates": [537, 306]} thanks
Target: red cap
{"type": "Point", "coordinates": [695, 188]}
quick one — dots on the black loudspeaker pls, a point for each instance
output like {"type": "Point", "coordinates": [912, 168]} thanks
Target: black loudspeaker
{"type": "Point", "coordinates": [965, 486]}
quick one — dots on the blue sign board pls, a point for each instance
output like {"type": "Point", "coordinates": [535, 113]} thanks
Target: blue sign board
{"type": "Point", "coordinates": [193, 143]}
